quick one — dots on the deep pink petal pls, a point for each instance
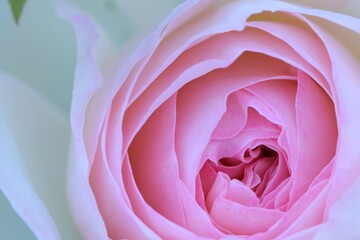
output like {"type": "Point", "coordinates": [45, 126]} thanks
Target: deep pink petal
{"type": "Point", "coordinates": [154, 163]}
{"type": "Point", "coordinates": [200, 109]}
{"type": "Point", "coordinates": [161, 225]}
{"type": "Point", "coordinates": [112, 201]}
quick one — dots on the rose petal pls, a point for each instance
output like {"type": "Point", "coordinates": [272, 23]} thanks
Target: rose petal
{"type": "Point", "coordinates": [87, 81]}
{"type": "Point", "coordinates": [308, 203]}
{"type": "Point", "coordinates": [33, 160]}
{"type": "Point", "coordinates": [236, 146]}
{"type": "Point", "coordinates": [347, 165]}
{"type": "Point", "coordinates": [198, 219]}
{"type": "Point", "coordinates": [242, 194]}
{"type": "Point", "coordinates": [315, 113]}
{"type": "Point", "coordinates": [199, 61]}
{"type": "Point", "coordinates": [240, 219]}
{"type": "Point", "coordinates": [312, 215]}
{"type": "Point", "coordinates": [112, 201]}
{"type": "Point", "coordinates": [148, 215]}
{"type": "Point", "coordinates": [16, 187]}
{"type": "Point", "coordinates": [279, 96]}
{"type": "Point", "coordinates": [232, 121]}
{"type": "Point", "coordinates": [154, 163]}
{"type": "Point", "coordinates": [119, 95]}
{"type": "Point", "coordinates": [343, 218]}
{"type": "Point", "coordinates": [200, 109]}
{"type": "Point", "coordinates": [304, 42]}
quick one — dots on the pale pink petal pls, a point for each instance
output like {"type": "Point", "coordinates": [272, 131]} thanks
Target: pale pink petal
{"type": "Point", "coordinates": [312, 215]}
{"type": "Point", "coordinates": [346, 84]}
{"type": "Point", "coordinates": [279, 96]}
{"type": "Point", "coordinates": [309, 233]}
{"type": "Point", "coordinates": [310, 199]}
{"type": "Point", "coordinates": [200, 109]}
{"type": "Point", "coordinates": [120, 220]}
{"type": "Point", "coordinates": [279, 197]}
{"type": "Point", "coordinates": [343, 222]}
{"type": "Point", "coordinates": [243, 220]}
{"type": "Point", "coordinates": [167, 62]}
{"type": "Point", "coordinates": [162, 226]}
{"type": "Point", "coordinates": [222, 18]}
{"type": "Point", "coordinates": [304, 42]}
{"type": "Point", "coordinates": [237, 146]}
{"type": "Point", "coordinates": [87, 81]}
{"type": "Point", "coordinates": [154, 163]}
{"type": "Point", "coordinates": [314, 114]}
{"type": "Point", "coordinates": [198, 61]}
{"type": "Point", "coordinates": [125, 79]}
{"type": "Point", "coordinates": [233, 120]}
{"type": "Point", "coordinates": [198, 220]}
{"type": "Point", "coordinates": [239, 193]}
{"type": "Point", "coordinates": [172, 42]}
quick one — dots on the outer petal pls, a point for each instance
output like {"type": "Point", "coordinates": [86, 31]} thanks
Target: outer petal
{"type": "Point", "coordinates": [86, 120]}
{"type": "Point", "coordinates": [87, 80]}
{"type": "Point", "coordinates": [344, 218]}
{"type": "Point", "coordinates": [33, 152]}
{"type": "Point", "coordinates": [17, 187]}
{"type": "Point", "coordinates": [12, 225]}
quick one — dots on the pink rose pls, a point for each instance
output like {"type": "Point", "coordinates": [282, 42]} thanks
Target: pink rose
{"type": "Point", "coordinates": [232, 119]}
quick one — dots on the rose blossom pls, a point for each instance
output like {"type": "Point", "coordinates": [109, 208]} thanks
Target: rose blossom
{"type": "Point", "coordinates": [232, 119]}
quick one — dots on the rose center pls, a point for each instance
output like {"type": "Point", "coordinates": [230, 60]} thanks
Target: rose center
{"type": "Point", "coordinates": [254, 169]}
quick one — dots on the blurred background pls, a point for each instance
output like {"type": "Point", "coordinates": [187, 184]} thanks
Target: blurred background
{"type": "Point", "coordinates": [40, 52]}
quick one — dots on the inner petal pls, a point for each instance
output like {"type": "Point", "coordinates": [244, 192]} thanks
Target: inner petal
{"type": "Point", "coordinates": [250, 158]}
{"type": "Point", "coordinates": [199, 108]}
{"type": "Point", "coordinates": [316, 132]}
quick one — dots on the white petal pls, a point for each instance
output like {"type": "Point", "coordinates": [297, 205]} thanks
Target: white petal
{"type": "Point", "coordinates": [17, 187]}
{"type": "Point", "coordinates": [11, 224]}
{"type": "Point", "coordinates": [34, 143]}
{"type": "Point", "coordinates": [88, 79]}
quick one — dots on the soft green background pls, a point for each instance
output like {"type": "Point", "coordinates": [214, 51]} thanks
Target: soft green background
{"type": "Point", "coordinates": [41, 52]}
